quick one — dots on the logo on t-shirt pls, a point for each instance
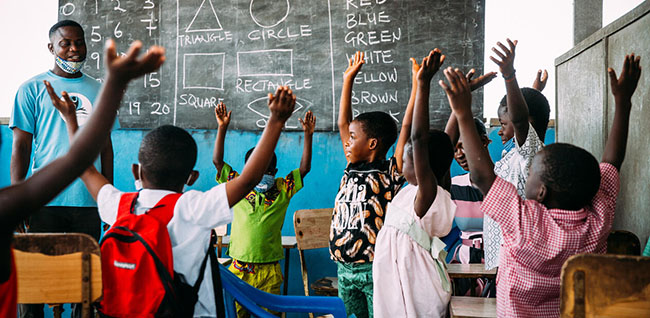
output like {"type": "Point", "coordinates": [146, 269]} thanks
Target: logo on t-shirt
{"type": "Point", "coordinates": [84, 107]}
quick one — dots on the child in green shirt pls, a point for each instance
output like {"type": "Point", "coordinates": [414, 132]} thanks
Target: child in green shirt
{"type": "Point", "coordinates": [255, 233]}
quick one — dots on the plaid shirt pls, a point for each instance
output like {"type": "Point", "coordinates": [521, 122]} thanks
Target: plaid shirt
{"type": "Point", "coordinates": [539, 240]}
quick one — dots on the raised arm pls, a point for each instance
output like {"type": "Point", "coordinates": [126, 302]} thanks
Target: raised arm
{"type": "Point", "coordinates": [426, 180]}
{"type": "Point", "coordinates": [223, 119]}
{"type": "Point", "coordinates": [540, 80]}
{"type": "Point", "coordinates": [281, 106]}
{"type": "Point", "coordinates": [478, 159]}
{"type": "Point", "coordinates": [308, 125]}
{"type": "Point", "coordinates": [517, 108]}
{"type": "Point", "coordinates": [622, 89]}
{"type": "Point", "coordinates": [345, 106]}
{"type": "Point", "coordinates": [405, 132]}
{"type": "Point", "coordinates": [18, 200]}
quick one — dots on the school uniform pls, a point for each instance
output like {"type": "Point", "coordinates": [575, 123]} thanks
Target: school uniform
{"type": "Point", "coordinates": [196, 213]}
{"type": "Point", "coordinates": [9, 292]}
{"type": "Point", "coordinates": [538, 240]}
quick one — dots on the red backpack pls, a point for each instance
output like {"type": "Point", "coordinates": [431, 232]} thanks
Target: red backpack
{"type": "Point", "coordinates": [137, 262]}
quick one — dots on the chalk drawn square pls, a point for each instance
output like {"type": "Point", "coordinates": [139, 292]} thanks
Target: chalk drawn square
{"type": "Point", "coordinates": [203, 70]}
{"type": "Point", "coordinates": [274, 62]}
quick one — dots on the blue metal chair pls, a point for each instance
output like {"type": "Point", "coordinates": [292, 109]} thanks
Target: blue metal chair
{"type": "Point", "coordinates": [254, 299]}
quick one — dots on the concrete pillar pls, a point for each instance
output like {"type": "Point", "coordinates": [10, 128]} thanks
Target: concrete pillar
{"type": "Point", "coordinates": [587, 18]}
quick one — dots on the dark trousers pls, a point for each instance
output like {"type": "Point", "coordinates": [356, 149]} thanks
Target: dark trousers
{"type": "Point", "coordinates": [56, 219]}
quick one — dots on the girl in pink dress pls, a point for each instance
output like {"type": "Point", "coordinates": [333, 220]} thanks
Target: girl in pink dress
{"type": "Point", "coordinates": [409, 273]}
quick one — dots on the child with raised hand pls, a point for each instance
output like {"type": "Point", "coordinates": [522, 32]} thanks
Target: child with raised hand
{"type": "Point", "coordinates": [569, 208]}
{"type": "Point", "coordinates": [19, 200]}
{"type": "Point", "coordinates": [256, 230]}
{"type": "Point", "coordinates": [513, 166]}
{"type": "Point", "coordinates": [409, 273]}
{"type": "Point", "coordinates": [166, 158]}
{"type": "Point", "coordinates": [369, 182]}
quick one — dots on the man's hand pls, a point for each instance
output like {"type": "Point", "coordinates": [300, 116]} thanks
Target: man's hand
{"type": "Point", "coordinates": [540, 80]}
{"type": "Point", "coordinates": [480, 81]}
{"type": "Point", "coordinates": [507, 58]}
{"type": "Point", "coordinates": [354, 65]}
{"type": "Point", "coordinates": [222, 115]}
{"type": "Point", "coordinates": [281, 104]}
{"type": "Point", "coordinates": [64, 105]}
{"type": "Point", "coordinates": [309, 123]}
{"type": "Point", "coordinates": [430, 65]}
{"type": "Point", "coordinates": [458, 92]}
{"type": "Point", "coordinates": [623, 87]}
{"type": "Point", "coordinates": [131, 66]}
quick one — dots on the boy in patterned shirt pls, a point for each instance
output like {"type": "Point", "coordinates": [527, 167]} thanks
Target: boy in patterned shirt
{"type": "Point", "coordinates": [256, 230]}
{"type": "Point", "coordinates": [569, 210]}
{"type": "Point", "coordinates": [369, 182]}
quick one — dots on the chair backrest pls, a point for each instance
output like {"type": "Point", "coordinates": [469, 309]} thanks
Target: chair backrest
{"type": "Point", "coordinates": [624, 243]}
{"type": "Point", "coordinates": [221, 231]}
{"type": "Point", "coordinates": [605, 286]}
{"type": "Point", "coordinates": [58, 268]}
{"type": "Point", "coordinates": [312, 228]}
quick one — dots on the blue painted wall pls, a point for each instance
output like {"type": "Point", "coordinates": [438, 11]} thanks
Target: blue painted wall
{"type": "Point", "coordinates": [320, 188]}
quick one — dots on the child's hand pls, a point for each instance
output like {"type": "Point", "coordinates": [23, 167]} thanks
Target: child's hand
{"type": "Point", "coordinates": [415, 68]}
{"type": "Point", "coordinates": [309, 123]}
{"type": "Point", "coordinates": [507, 62]}
{"type": "Point", "coordinates": [430, 65]}
{"type": "Point", "coordinates": [354, 65]}
{"type": "Point", "coordinates": [222, 114]}
{"type": "Point", "coordinates": [281, 104]}
{"type": "Point", "coordinates": [130, 66]}
{"type": "Point", "coordinates": [65, 106]}
{"type": "Point", "coordinates": [480, 81]}
{"type": "Point", "coordinates": [540, 80]}
{"type": "Point", "coordinates": [458, 92]}
{"type": "Point", "coordinates": [624, 86]}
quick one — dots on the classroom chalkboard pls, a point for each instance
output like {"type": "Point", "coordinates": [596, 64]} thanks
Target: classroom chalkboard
{"type": "Point", "coordinates": [240, 50]}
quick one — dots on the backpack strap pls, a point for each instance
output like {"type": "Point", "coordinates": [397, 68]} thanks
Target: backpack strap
{"type": "Point", "coordinates": [127, 203]}
{"type": "Point", "coordinates": [216, 276]}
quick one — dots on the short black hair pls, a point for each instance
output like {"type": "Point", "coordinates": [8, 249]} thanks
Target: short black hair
{"type": "Point", "coordinates": [168, 155]}
{"type": "Point", "coordinates": [538, 109]}
{"type": "Point", "coordinates": [480, 127]}
{"type": "Point", "coordinates": [272, 164]}
{"type": "Point", "coordinates": [441, 152]}
{"type": "Point", "coordinates": [571, 173]}
{"type": "Point", "coordinates": [381, 126]}
{"type": "Point", "coordinates": [64, 23]}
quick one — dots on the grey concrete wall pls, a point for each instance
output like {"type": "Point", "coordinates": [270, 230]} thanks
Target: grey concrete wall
{"type": "Point", "coordinates": [585, 108]}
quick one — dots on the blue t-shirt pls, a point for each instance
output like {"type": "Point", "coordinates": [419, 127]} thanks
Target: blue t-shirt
{"type": "Point", "coordinates": [34, 113]}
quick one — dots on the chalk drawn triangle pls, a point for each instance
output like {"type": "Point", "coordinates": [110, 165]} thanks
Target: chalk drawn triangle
{"type": "Point", "coordinates": [207, 19]}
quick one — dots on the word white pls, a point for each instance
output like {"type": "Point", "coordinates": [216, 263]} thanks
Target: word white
{"type": "Point", "coordinates": [186, 40]}
{"type": "Point", "coordinates": [371, 98]}
{"type": "Point", "coordinates": [372, 37]}
{"type": "Point", "coordinates": [372, 18]}
{"type": "Point", "coordinates": [199, 102]}
{"type": "Point", "coordinates": [265, 34]}
{"type": "Point", "coordinates": [381, 77]}
{"type": "Point", "coordinates": [267, 85]}
{"type": "Point", "coordinates": [374, 57]}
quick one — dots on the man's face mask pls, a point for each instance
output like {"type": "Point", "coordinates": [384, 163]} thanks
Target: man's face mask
{"type": "Point", "coordinates": [265, 184]}
{"type": "Point", "coordinates": [68, 66]}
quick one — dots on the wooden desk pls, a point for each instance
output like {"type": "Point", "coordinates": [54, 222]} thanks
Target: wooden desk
{"type": "Point", "coordinates": [288, 242]}
{"type": "Point", "coordinates": [470, 271]}
{"type": "Point", "coordinates": [473, 307]}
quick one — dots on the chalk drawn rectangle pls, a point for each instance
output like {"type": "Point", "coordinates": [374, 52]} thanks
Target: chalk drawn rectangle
{"type": "Point", "coordinates": [204, 70]}
{"type": "Point", "coordinates": [274, 62]}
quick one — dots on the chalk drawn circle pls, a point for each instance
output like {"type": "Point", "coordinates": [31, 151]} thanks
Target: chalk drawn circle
{"type": "Point", "coordinates": [63, 9]}
{"type": "Point", "coordinates": [264, 12]}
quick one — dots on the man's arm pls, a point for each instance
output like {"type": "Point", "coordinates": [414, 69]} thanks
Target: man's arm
{"type": "Point", "coordinates": [622, 88]}
{"type": "Point", "coordinates": [223, 119]}
{"type": "Point", "coordinates": [478, 159]}
{"type": "Point", "coordinates": [281, 106]}
{"type": "Point", "coordinates": [345, 105]}
{"type": "Point", "coordinates": [21, 152]}
{"type": "Point", "coordinates": [426, 180]}
{"type": "Point", "coordinates": [517, 108]}
{"type": "Point", "coordinates": [405, 132]}
{"type": "Point", "coordinates": [308, 125]}
{"type": "Point", "coordinates": [106, 158]}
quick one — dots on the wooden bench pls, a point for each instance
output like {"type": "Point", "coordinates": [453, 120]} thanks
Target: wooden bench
{"type": "Point", "coordinates": [461, 307]}
{"type": "Point", "coordinates": [471, 271]}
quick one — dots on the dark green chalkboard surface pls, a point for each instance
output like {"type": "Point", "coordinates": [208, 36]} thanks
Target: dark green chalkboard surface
{"type": "Point", "coordinates": [240, 50]}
